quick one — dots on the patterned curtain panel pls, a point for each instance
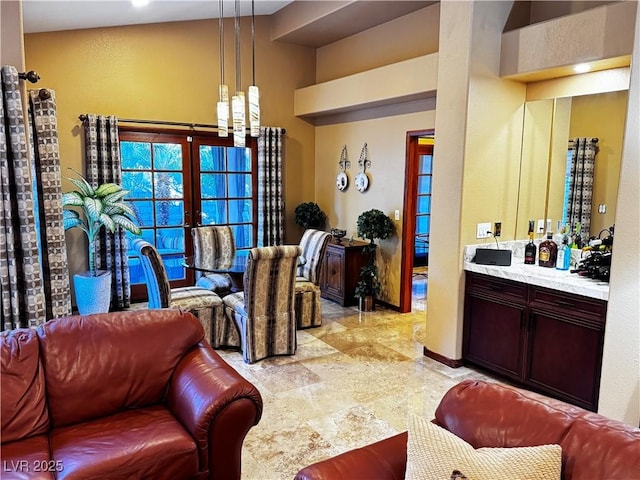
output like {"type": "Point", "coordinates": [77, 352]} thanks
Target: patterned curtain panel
{"type": "Point", "coordinates": [46, 155]}
{"type": "Point", "coordinates": [270, 194]}
{"type": "Point", "coordinates": [583, 161]}
{"type": "Point", "coordinates": [103, 164]}
{"type": "Point", "coordinates": [21, 289]}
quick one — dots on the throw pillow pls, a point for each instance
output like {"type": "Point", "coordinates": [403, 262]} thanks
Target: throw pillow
{"type": "Point", "coordinates": [434, 453]}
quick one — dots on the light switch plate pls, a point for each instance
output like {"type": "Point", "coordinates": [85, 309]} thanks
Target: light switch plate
{"type": "Point", "coordinates": [540, 227]}
{"type": "Point", "coordinates": [482, 229]}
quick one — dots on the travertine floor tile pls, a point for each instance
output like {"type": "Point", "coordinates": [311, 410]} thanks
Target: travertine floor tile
{"type": "Point", "coordinates": [352, 381]}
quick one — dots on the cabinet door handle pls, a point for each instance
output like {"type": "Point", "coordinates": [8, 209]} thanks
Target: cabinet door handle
{"type": "Point", "coordinates": [564, 303]}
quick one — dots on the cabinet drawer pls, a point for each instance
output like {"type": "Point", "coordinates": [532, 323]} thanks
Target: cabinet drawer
{"type": "Point", "coordinates": [485, 284]}
{"type": "Point", "coordinates": [554, 300]}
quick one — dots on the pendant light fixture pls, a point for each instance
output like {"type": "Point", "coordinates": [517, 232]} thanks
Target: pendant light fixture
{"type": "Point", "coordinates": [238, 100]}
{"type": "Point", "coordinates": [223, 89]}
{"type": "Point", "coordinates": [254, 93]}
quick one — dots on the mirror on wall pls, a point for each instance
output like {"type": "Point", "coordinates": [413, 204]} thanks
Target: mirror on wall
{"type": "Point", "coordinates": [549, 124]}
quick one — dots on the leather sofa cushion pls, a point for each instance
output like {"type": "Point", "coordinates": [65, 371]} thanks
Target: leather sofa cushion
{"type": "Point", "coordinates": [101, 364]}
{"type": "Point", "coordinates": [27, 459]}
{"type": "Point", "coordinates": [134, 444]}
{"type": "Point", "coordinates": [23, 407]}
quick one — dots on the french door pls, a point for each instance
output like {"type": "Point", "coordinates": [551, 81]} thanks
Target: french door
{"type": "Point", "coordinates": [178, 180]}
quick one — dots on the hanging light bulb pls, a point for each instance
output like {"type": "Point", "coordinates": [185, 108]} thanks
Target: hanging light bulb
{"type": "Point", "coordinates": [254, 93]}
{"type": "Point", "coordinates": [238, 101]}
{"type": "Point", "coordinates": [223, 89]}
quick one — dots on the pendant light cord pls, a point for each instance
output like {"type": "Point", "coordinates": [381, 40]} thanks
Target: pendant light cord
{"type": "Point", "coordinates": [253, 40]}
{"type": "Point", "coordinates": [237, 34]}
{"type": "Point", "coordinates": [221, 41]}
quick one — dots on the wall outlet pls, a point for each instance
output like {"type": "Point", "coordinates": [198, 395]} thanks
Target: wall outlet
{"type": "Point", "coordinates": [483, 230]}
{"type": "Point", "coordinates": [397, 214]}
{"type": "Point", "coordinates": [540, 227]}
{"type": "Point", "coordinates": [497, 229]}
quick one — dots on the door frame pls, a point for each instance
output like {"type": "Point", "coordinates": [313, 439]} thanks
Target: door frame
{"type": "Point", "coordinates": [409, 216]}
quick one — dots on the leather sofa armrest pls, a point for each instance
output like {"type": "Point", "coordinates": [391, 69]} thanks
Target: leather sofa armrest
{"type": "Point", "coordinates": [383, 460]}
{"type": "Point", "coordinates": [216, 405]}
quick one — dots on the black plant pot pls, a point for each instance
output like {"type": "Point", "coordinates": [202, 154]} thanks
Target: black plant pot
{"type": "Point", "coordinates": [366, 304]}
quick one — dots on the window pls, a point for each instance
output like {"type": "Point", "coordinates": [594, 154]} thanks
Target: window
{"type": "Point", "coordinates": [423, 203]}
{"type": "Point", "coordinates": [177, 181]}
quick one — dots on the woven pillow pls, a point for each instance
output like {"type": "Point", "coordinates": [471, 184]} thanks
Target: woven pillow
{"type": "Point", "coordinates": [435, 453]}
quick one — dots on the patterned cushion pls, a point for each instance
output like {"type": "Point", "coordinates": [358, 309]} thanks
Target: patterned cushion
{"type": "Point", "coordinates": [313, 244]}
{"type": "Point", "coordinates": [433, 452]}
{"type": "Point", "coordinates": [306, 286]}
{"type": "Point", "coordinates": [216, 282]}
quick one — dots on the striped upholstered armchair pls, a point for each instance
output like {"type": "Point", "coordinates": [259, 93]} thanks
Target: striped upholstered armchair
{"type": "Point", "coordinates": [213, 245]}
{"type": "Point", "coordinates": [308, 311]}
{"type": "Point", "coordinates": [204, 304]}
{"type": "Point", "coordinates": [264, 312]}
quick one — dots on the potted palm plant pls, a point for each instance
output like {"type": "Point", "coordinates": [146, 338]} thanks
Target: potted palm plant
{"type": "Point", "coordinates": [372, 224]}
{"type": "Point", "coordinates": [100, 207]}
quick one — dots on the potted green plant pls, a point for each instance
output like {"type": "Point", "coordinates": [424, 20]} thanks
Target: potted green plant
{"type": "Point", "coordinates": [372, 224]}
{"type": "Point", "coordinates": [100, 207]}
{"type": "Point", "coordinates": [310, 215]}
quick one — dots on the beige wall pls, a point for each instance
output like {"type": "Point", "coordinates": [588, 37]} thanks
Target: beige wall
{"type": "Point", "coordinates": [386, 140]}
{"type": "Point", "coordinates": [620, 384]}
{"type": "Point", "coordinates": [406, 37]}
{"type": "Point", "coordinates": [11, 37]}
{"type": "Point", "coordinates": [171, 72]}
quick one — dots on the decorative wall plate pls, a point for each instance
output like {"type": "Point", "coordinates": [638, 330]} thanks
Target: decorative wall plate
{"type": "Point", "coordinates": [361, 181]}
{"type": "Point", "coordinates": [342, 181]}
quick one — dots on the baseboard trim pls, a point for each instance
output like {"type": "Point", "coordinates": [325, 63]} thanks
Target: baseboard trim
{"type": "Point", "coordinates": [449, 362]}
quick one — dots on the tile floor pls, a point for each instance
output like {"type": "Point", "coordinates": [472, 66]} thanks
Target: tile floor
{"type": "Point", "coordinates": [351, 382]}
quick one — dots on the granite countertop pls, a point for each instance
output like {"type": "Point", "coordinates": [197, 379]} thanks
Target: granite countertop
{"type": "Point", "coordinates": [561, 280]}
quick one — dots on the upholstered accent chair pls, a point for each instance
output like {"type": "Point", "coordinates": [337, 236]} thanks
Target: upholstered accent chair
{"type": "Point", "coordinates": [308, 307]}
{"type": "Point", "coordinates": [264, 312]}
{"type": "Point", "coordinates": [202, 303]}
{"type": "Point", "coordinates": [213, 245]}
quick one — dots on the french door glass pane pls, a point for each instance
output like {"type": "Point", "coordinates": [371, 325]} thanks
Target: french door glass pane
{"type": "Point", "coordinates": [422, 223]}
{"type": "Point", "coordinates": [424, 204]}
{"type": "Point", "coordinates": [138, 184]}
{"type": "Point", "coordinates": [212, 185]}
{"type": "Point", "coordinates": [243, 235]}
{"type": "Point", "coordinates": [424, 166]}
{"type": "Point", "coordinates": [167, 156]}
{"type": "Point", "coordinates": [168, 185]}
{"type": "Point", "coordinates": [143, 211]}
{"type": "Point", "coordinates": [135, 155]}
{"type": "Point", "coordinates": [214, 212]}
{"type": "Point", "coordinates": [239, 159]}
{"type": "Point", "coordinates": [424, 184]}
{"type": "Point", "coordinates": [212, 158]}
{"type": "Point", "coordinates": [169, 213]}
{"type": "Point", "coordinates": [239, 185]}
{"type": "Point", "coordinates": [239, 211]}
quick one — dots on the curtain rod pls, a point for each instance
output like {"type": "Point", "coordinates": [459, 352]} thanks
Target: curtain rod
{"type": "Point", "coordinates": [31, 75]}
{"type": "Point", "coordinates": [165, 122]}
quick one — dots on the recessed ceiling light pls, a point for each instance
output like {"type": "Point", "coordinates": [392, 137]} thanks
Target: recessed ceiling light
{"type": "Point", "coordinates": [582, 68]}
{"type": "Point", "coordinates": [140, 3]}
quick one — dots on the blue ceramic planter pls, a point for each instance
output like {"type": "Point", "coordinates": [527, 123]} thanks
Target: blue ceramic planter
{"type": "Point", "coordinates": [93, 294]}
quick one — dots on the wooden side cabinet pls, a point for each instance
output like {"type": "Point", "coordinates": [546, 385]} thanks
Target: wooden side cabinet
{"type": "Point", "coordinates": [546, 340]}
{"type": "Point", "coordinates": [341, 271]}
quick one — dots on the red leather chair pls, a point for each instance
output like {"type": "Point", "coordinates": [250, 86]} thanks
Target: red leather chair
{"type": "Point", "coordinates": [133, 395]}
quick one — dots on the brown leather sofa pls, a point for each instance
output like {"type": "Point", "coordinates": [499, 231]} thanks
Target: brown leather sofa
{"type": "Point", "coordinates": [129, 395]}
{"type": "Point", "coordinates": [491, 415]}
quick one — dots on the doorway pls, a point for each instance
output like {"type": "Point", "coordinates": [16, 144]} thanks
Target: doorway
{"type": "Point", "coordinates": [416, 220]}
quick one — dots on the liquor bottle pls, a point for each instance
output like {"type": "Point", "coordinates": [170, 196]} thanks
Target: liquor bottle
{"type": "Point", "coordinates": [548, 252]}
{"type": "Point", "coordinates": [564, 256]}
{"type": "Point", "coordinates": [530, 249]}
